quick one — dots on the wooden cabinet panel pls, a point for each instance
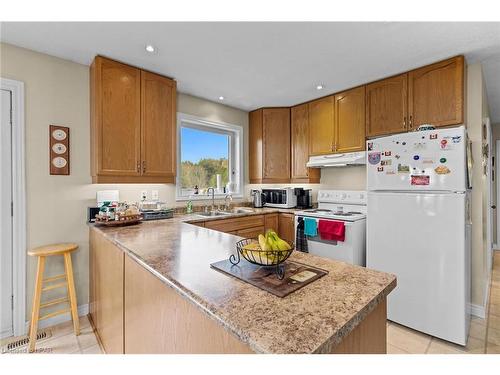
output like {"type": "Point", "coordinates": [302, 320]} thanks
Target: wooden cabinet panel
{"type": "Point", "coordinates": [106, 304]}
{"type": "Point", "coordinates": [255, 146]}
{"type": "Point", "coordinates": [235, 224]}
{"type": "Point", "coordinates": [286, 226]}
{"type": "Point", "coordinates": [300, 146]}
{"type": "Point", "coordinates": [350, 120]}
{"type": "Point", "coordinates": [250, 232]}
{"type": "Point", "coordinates": [276, 144]}
{"type": "Point", "coordinates": [160, 321]}
{"type": "Point", "coordinates": [436, 94]}
{"type": "Point", "coordinates": [158, 126]}
{"type": "Point", "coordinates": [386, 106]}
{"type": "Point", "coordinates": [271, 222]}
{"type": "Point", "coordinates": [117, 95]}
{"type": "Point", "coordinates": [321, 126]}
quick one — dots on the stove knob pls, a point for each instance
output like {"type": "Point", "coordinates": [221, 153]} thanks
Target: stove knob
{"type": "Point", "coordinates": [343, 196]}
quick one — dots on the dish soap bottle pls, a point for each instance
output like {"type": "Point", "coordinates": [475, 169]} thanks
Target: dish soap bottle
{"type": "Point", "coordinates": [189, 207]}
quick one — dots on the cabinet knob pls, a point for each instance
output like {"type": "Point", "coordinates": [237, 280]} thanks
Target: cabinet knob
{"type": "Point", "coordinates": [404, 122]}
{"type": "Point", "coordinates": [411, 121]}
{"type": "Point", "coordinates": [144, 166]}
{"type": "Point", "coordinates": [138, 167]}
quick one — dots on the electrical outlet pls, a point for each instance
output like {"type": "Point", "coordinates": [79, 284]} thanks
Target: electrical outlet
{"type": "Point", "coordinates": [144, 195]}
{"type": "Point", "coordinates": [154, 195]}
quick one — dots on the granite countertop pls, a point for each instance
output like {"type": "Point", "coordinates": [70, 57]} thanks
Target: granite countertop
{"type": "Point", "coordinates": [313, 319]}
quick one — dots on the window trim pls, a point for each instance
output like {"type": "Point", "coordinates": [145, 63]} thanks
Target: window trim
{"type": "Point", "coordinates": [235, 152]}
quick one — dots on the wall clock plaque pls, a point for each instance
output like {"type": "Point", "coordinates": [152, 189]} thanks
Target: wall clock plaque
{"type": "Point", "coordinates": [59, 150]}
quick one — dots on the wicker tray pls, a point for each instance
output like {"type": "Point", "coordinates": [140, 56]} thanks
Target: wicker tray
{"type": "Point", "coordinates": [125, 220]}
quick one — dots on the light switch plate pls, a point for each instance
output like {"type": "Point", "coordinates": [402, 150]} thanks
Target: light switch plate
{"type": "Point", "coordinates": [154, 195]}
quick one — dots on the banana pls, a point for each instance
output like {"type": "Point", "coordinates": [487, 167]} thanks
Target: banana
{"type": "Point", "coordinates": [263, 243]}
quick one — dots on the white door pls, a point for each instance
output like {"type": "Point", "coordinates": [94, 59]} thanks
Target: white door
{"type": "Point", "coordinates": [6, 322]}
{"type": "Point", "coordinates": [422, 239]}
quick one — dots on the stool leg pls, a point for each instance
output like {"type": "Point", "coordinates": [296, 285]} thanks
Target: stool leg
{"type": "Point", "coordinates": [36, 304]}
{"type": "Point", "coordinates": [72, 293]}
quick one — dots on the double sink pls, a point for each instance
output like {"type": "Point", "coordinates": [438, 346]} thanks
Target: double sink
{"type": "Point", "coordinates": [234, 211]}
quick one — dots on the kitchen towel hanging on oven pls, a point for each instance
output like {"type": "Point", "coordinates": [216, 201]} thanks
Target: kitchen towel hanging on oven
{"type": "Point", "coordinates": [331, 230]}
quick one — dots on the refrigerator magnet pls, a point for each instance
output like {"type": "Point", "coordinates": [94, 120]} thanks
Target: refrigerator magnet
{"type": "Point", "coordinates": [386, 162]}
{"type": "Point", "coordinates": [427, 161]}
{"type": "Point", "coordinates": [387, 153]}
{"type": "Point", "coordinates": [380, 169]}
{"type": "Point", "coordinates": [389, 171]}
{"type": "Point", "coordinates": [433, 136]}
{"type": "Point", "coordinates": [420, 180]}
{"type": "Point", "coordinates": [403, 168]}
{"type": "Point", "coordinates": [374, 158]}
{"type": "Point", "coordinates": [370, 146]}
{"type": "Point", "coordinates": [456, 139]}
{"type": "Point", "coordinates": [442, 169]}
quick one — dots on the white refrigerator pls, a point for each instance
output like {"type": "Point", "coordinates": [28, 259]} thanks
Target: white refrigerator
{"type": "Point", "coordinates": [419, 228]}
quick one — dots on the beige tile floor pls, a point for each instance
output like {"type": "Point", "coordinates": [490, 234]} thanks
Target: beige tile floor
{"type": "Point", "coordinates": [63, 340]}
{"type": "Point", "coordinates": [484, 336]}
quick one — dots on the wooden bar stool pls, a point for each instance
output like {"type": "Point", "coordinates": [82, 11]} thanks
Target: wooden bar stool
{"type": "Point", "coordinates": [42, 252]}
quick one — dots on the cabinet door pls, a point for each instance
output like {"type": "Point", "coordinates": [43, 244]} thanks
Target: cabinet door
{"type": "Point", "coordinates": [118, 122]}
{"type": "Point", "coordinates": [255, 146]}
{"type": "Point", "coordinates": [158, 126]}
{"type": "Point", "coordinates": [350, 120]}
{"type": "Point", "coordinates": [300, 146]}
{"type": "Point", "coordinates": [271, 222]}
{"type": "Point", "coordinates": [276, 145]}
{"type": "Point", "coordinates": [250, 232]}
{"type": "Point", "coordinates": [386, 106]}
{"type": "Point", "coordinates": [287, 226]}
{"type": "Point", "coordinates": [321, 130]}
{"type": "Point", "coordinates": [107, 292]}
{"type": "Point", "coordinates": [436, 94]}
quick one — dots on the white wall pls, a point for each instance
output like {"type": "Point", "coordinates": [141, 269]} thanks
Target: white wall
{"type": "Point", "coordinates": [57, 92]}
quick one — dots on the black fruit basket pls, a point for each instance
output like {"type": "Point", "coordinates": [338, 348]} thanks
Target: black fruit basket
{"type": "Point", "coordinates": [263, 258]}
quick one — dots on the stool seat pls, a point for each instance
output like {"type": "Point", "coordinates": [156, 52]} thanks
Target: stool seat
{"type": "Point", "coordinates": [54, 249]}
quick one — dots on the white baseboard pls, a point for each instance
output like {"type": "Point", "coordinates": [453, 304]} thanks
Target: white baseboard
{"type": "Point", "coordinates": [478, 310]}
{"type": "Point", "coordinates": [82, 310]}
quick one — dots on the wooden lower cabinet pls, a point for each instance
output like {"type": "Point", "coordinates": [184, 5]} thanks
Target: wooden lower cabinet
{"type": "Point", "coordinates": [233, 225]}
{"type": "Point", "coordinates": [106, 292]}
{"type": "Point", "coordinates": [271, 222]}
{"type": "Point", "coordinates": [159, 320]}
{"type": "Point", "coordinates": [369, 337]}
{"type": "Point", "coordinates": [286, 226]}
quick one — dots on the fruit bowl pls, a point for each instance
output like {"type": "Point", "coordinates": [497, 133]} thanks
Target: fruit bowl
{"type": "Point", "coordinates": [254, 254]}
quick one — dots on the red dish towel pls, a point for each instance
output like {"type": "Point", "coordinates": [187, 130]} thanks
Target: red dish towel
{"type": "Point", "coordinates": [331, 230]}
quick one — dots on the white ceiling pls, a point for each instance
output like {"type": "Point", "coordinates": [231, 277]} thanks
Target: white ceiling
{"type": "Point", "coordinates": [269, 64]}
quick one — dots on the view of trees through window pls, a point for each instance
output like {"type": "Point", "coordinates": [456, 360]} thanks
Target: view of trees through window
{"type": "Point", "coordinates": [204, 155]}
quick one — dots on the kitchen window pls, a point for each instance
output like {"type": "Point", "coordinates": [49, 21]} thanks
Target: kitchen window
{"type": "Point", "coordinates": [209, 154]}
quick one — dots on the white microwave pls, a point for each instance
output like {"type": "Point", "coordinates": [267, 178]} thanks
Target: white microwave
{"type": "Point", "coordinates": [279, 197]}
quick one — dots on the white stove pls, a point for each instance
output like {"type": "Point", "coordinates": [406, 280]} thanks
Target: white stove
{"type": "Point", "coordinates": [339, 205]}
{"type": "Point", "coordinates": [348, 207]}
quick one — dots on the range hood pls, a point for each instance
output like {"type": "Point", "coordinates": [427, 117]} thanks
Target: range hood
{"type": "Point", "coordinates": [337, 160]}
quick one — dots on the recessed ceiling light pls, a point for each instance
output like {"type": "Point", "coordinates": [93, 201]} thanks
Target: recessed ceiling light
{"type": "Point", "coordinates": [319, 87]}
{"type": "Point", "coordinates": [221, 98]}
{"type": "Point", "coordinates": [150, 48]}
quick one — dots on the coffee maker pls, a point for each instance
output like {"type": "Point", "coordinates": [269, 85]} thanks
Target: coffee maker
{"type": "Point", "coordinates": [304, 198]}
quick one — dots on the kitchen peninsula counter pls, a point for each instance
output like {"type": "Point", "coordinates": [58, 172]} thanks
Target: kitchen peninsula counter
{"type": "Point", "coordinates": [162, 282]}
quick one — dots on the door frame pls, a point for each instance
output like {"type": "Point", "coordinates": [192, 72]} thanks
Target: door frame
{"type": "Point", "coordinates": [19, 205]}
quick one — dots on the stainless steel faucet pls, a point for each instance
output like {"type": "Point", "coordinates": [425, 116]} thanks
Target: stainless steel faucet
{"type": "Point", "coordinates": [226, 206]}
{"type": "Point", "coordinates": [213, 196]}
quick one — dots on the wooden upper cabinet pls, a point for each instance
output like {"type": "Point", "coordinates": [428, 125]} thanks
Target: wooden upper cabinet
{"type": "Point", "coordinates": [255, 146]}
{"type": "Point", "coordinates": [349, 120]}
{"type": "Point", "coordinates": [158, 131]}
{"type": "Point", "coordinates": [300, 146]}
{"type": "Point", "coordinates": [386, 106]}
{"type": "Point", "coordinates": [116, 97]}
{"type": "Point", "coordinates": [269, 145]}
{"type": "Point", "coordinates": [133, 125]}
{"type": "Point", "coordinates": [276, 145]}
{"type": "Point", "coordinates": [436, 94]}
{"type": "Point", "coordinates": [321, 128]}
